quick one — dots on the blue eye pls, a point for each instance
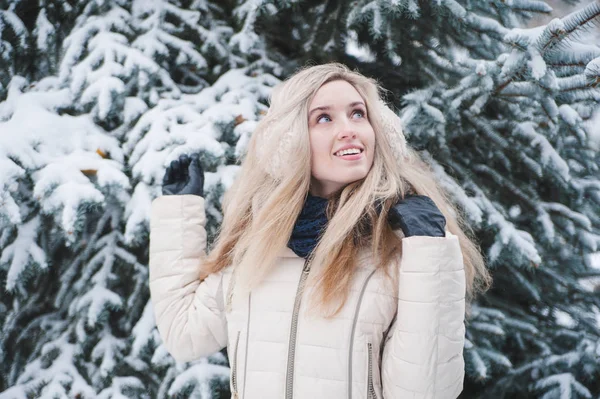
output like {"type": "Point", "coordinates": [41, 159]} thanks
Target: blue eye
{"type": "Point", "coordinates": [360, 112]}
{"type": "Point", "coordinates": [322, 116]}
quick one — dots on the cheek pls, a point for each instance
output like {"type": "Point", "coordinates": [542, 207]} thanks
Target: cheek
{"type": "Point", "coordinates": [319, 155]}
{"type": "Point", "coordinates": [320, 148]}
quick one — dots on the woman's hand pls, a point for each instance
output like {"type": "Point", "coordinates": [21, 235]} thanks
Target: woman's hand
{"type": "Point", "coordinates": [417, 215]}
{"type": "Point", "coordinates": [184, 176]}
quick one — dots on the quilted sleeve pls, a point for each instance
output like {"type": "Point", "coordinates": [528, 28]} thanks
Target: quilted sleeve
{"type": "Point", "coordinates": [189, 314]}
{"type": "Point", "coordinates": [423, 355]}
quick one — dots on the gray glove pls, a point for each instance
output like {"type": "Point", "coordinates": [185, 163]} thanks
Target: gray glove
{"type": "Point", "coordinates": [184, 176]}
{"type": "Point", "coordinates": [417, 215]}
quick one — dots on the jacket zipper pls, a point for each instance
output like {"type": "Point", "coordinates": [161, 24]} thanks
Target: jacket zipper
{"type": "Point", "coordinates": [234, 374]}
{"type": "Point", "coordinates": [289, 388]}
{"type": "Point", "coordinates": [354, 321]}
{"type": "Point", "coordinates": [247, 339]}
{"type": "Point", "coordinates": [370, 388]}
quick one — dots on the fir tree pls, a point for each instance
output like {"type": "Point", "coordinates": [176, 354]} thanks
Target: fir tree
{"type": "Point", "coordinates": [77, 321]}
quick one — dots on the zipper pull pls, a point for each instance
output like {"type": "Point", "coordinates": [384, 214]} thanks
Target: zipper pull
{"type": "Point", "coordinates": [306, 267]}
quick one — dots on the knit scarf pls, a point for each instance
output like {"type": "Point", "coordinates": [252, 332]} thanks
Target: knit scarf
{"type": "Point", "coordinates": [309, 227]}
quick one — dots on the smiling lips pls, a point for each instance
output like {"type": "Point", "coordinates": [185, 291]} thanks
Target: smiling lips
{"type": "Point", "coordinates": [351, 154]}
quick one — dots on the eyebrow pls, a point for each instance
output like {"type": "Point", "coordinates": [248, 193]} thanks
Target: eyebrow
{"type": "Point", "coordinates": [327, 107]}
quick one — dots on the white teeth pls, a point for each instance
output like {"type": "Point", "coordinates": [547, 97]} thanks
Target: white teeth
{"type": "Point", "coordinates": [348, 151]}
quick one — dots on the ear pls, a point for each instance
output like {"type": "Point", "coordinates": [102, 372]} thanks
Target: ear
{"type": "Point", "coordinates": [392, 127]}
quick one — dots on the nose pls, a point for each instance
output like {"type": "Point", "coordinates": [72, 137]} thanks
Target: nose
{"type": "Point", "coordinates": [346, 130]}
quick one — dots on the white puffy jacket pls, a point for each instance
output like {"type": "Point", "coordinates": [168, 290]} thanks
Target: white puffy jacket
{"type": "Point", "coordinates": [380, 345]}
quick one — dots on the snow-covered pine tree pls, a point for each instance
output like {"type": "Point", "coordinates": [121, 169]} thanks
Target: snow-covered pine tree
{"type": "Point", "coordinates": [31, 32]}
{"type": "Point", "coordinates": [85, 152]}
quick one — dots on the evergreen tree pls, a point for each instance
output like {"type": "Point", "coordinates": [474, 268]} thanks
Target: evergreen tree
{"type": "Point", "coordinates": [100, 95]}
{"type": "Point", "coordinates": [77, 321]}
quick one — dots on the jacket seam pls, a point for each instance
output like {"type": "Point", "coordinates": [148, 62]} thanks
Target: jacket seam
{"type": "Point", "coordinates": [182, 249]}
{"type": "Point", "coordinates": [444, 332]}
{"type": "Point", "coordinates": [452, 359]}
{"type": "Point", "coordinates": [437, 337]}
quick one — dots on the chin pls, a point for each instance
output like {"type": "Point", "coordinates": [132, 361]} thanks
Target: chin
{"type": "Point", "coordinates": [351, 178]}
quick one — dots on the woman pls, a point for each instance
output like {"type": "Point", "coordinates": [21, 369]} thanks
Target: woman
{"type": "Point", "coordinates": [340, 269]}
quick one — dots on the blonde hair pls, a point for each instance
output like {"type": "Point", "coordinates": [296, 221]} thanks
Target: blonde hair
{"type": "Point", "coordinates": [260, 209]}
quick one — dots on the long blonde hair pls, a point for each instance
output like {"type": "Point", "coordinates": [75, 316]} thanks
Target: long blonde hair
{"type": "Point", "coordinates": [260, 210]}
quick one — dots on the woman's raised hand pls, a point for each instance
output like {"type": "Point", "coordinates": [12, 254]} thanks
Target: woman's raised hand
{"type": "Point", "coordinates": [418, 215]}
{"type": "Point", "coordinates": [184, 176]}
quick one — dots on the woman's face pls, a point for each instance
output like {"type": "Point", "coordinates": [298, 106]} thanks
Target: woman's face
{"type": "Point", "coordinates": [338, 120]}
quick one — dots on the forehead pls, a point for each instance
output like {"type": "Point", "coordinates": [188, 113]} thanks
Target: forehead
{"type": "Point", "coordinates": [337, 91]}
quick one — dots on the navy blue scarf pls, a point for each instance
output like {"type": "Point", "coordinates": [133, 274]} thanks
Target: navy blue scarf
{"type": "Point", "coordinates": [309, 227]}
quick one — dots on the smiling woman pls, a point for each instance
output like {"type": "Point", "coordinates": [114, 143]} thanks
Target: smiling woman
{"type": "Point", "coordinates": [342, 141]}
{"type": "Point", "coordinates": [341, 269]}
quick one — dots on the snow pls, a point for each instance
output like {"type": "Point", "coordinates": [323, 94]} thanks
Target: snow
{"type": "Point", "coordinates": [15, 392]}
{"type": "Point", "coordinates": [162, 357]}
{"type": "Point", "coordinates": [514, 211]}
{"type": "Point", "coordinates": [107, 350]}
{"type": "Point", "coordinates": [468, 204]}
{"type": "Point", "coordinates": [17, 26]}
{"type": "Point", "coordinates": [508, 236]}
{"type": "Point", "coordinates": [481, 370]}
{"type": "Point", "coordinates": [134, 108]}
{"type": "Point", "coordinates": [595, 260]}
{"type": "Point", "coordinates": [192, 124]}
{"type": "Point", "coordinates": [43, 31]}
{"type": "Point", "coordinates": [548, 154]}
{"type": "Point", "coordinates": [565, 384]}
{"type": "Point", "coordinates": [545, 220]}
{"type": "Point", "coordinates": [592, 125]}
{"type": "Point", "coordinates": [244, 131]}
{"type": "Point", "coordinates": [159, 37]}
{"type": "Point", "coordinates": [137, 212]}
{"type": "Point", "coordinates": [246, 39]}
{"type": "Point", "coordinates": [569, 114]}
{"type": "Point", "coordinates": [110, 61]}
{"type": "Point", "coordinates": [116, 70]}
{"type": "Point", "coordinates": [122, 388]}
{"type": "Point", "coordinates": [537, 65]}
{"type": "Point", "coordinates": [102, 92]}
{"type": "Point", "coordinates": [227, 174]}
{"type": "Point", "coordinates": [564, 319]}
{"type": "Point", "coordinates": [496, 357]}
{"type": "Point", "coordinates": [60, 152]}
{"type": "Point", "coordinates": [56, 372]}
{"type": "Point", "coordinates": [376, 19]}
{"type": "Point", "coordinates": [483, 23]}
{"type": "Point", "coordinates": [23, 252]}
{"type": "Point", "coordinates": [526, 35]}
{"type": "Point", "coordinates": [9, 210]}
{"type": "Point", "coordinates": [142, 332]}
{"type": "Point", "coordinates": [198, 376]}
